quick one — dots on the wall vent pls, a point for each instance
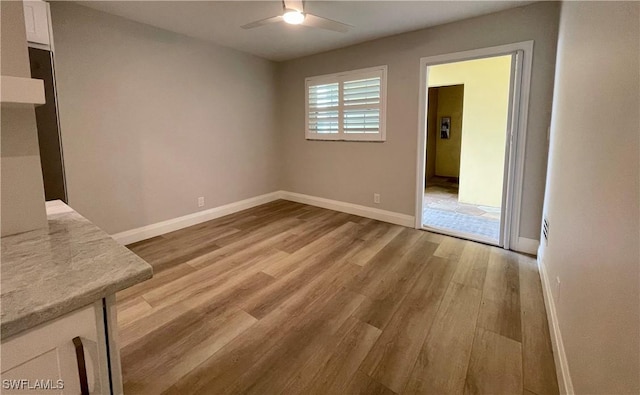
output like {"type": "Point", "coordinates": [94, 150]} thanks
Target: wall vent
{"type": "Point", "coordinates": [545, 230]}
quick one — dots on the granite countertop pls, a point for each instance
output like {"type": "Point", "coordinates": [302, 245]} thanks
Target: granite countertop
{"type": "Point", "coordinates": [48, 272]}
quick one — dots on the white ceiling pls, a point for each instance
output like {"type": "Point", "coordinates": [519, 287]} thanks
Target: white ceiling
{"type": "Point", "coordinates": [220, 21]}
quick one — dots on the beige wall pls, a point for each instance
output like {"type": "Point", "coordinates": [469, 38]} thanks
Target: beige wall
{"type": "Point", "coordinates": [157, 142]}
{"type": "Point", "coordinates": [353, 171]}
{"type": "Point", "coordinates": [450, 99]}
{"type": "Point", "coordinates": [481, 151]}
{"type": "Point", "coordinates": [593, 195]}
{"type": "Point", "coordinates": [22, 191]}
{"type": "Point", "coordinates": [151, 120]}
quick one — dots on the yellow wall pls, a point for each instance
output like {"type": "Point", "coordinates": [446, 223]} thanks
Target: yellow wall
{"type": "Point", "coordinates": [450, 104]}
{"type": "Point", "coordinates": [432, 120]}
{"type": "Point", "coordinates": [486, 101]}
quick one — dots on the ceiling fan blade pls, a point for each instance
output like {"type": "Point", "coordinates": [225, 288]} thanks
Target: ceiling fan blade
{"type": "Point", "coordinates": [293, 5]}
{"type": "Point", "coordinates": [262, 22]}
{"type": "Point", "coordinates": [324, 23]}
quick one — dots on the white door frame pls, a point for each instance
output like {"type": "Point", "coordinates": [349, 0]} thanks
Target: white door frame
{"type": "Point", "coordinates": [517, 133]}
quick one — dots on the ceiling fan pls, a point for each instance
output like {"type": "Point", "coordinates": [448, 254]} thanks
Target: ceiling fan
{"type": "Point", "coordinates": [293, 13]}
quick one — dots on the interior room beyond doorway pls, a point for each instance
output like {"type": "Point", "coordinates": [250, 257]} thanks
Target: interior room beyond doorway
{"type": "Point", "coordinates": [467, 115]}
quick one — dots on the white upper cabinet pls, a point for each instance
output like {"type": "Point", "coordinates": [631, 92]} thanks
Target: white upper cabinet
{"type": "Point", "coordinates": [36, 18]}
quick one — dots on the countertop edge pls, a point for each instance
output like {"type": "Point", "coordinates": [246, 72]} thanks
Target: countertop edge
{"type": "Point", "coordinates": [50, 313]}
{"type": "Point", "coordinates": [50, 272]}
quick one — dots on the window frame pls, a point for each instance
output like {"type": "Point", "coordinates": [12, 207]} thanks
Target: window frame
{"type": "Point", "coordinates": [340, 78]}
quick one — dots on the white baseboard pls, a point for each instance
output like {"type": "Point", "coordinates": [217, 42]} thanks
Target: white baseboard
{"type": "Point", "coordinates": [159, 228]}
{"type": "Point", "coordinates": [528, 246]}
{"type": "Point", "coordinates": [350, 208]}
{"type": "Point", "coordinates": [559, 355]}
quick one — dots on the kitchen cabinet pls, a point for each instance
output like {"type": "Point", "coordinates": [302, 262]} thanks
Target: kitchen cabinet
{"type": "Point", "coordinates": [48, 357]}
{"type": "Point", "coordinates": [57, 306]}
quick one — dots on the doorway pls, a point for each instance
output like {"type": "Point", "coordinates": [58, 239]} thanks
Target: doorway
{"type": "Point", "coordinates": [469, 178]}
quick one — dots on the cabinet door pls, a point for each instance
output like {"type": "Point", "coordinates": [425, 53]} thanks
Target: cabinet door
{"type": "Point", "coordinates": [36, 21]}
{"type": "Point", "coordinates": [44, 358]}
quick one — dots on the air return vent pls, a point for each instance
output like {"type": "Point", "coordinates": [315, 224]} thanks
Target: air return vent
{"type": "Point", "coordinates": [545, 230]}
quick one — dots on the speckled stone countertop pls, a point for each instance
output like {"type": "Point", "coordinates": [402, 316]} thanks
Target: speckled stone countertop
{"type": "Point", "coordinates": [48, 272]}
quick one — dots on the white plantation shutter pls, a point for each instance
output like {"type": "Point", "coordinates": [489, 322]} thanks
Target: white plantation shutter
{"type": "Point", "coordinates": [347, 106]}
{"type": "Point", "coordinates": [323, 114]}
{"type": "Point", "coordinates": [362, 92]}
{"type": "Point", "coordinates": [362, 105]}
{"type": "Point", "coordinates": [362, 121]}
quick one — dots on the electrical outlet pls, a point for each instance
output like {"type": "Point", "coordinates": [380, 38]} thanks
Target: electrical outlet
{"type": "Point", "coordinates": [557, 289]}
{"type": "Point", "coordinates": [201, 201]}
{"type": "Point", "coordinates": [376, 198]}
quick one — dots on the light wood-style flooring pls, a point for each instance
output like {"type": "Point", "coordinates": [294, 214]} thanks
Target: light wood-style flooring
{"type": "Point", "coordinates": [287, 298]}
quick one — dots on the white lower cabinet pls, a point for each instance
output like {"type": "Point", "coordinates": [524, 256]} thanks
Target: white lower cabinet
{"type": "Point", "coordinates": [46, 359]}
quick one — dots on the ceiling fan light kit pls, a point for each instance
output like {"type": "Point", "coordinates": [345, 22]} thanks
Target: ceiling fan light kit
{"type": "Point", "coordinates": [293, 13]}
{"type": "Point", "coordinates": [293, 17]}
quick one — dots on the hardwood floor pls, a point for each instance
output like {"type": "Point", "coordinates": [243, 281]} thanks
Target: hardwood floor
{"type": "Point", "coordinates": [286, 298]}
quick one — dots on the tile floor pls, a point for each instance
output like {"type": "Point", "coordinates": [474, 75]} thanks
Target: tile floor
{"type": "Point", "coordinates": [442, 210]}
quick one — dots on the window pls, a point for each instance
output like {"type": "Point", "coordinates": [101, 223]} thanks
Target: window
{"type": "Point", "coordinates": [347, 106]}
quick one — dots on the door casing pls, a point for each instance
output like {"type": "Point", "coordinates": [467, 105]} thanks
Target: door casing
{"type": "Point", "coordinates": [521, 66]}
